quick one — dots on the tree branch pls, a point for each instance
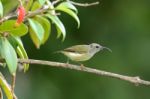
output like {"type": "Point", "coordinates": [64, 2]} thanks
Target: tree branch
{"type": "Point", "coordinates": [135, 80]}
{"type": "Point", "coordinates": [1, 94]}
{"type": "Point", "coordinates": [84, 4]}
{"type": "Point", "coordinates": [44, 9]}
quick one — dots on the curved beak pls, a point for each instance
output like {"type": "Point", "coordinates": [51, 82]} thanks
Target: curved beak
{"type": "Point", "coordinates": [107, 49]}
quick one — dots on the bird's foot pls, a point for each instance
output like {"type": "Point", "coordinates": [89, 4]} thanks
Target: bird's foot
{"type": "Point", "coordinates": [82, 67]}
{"type": "Point", "coordinates": [67, 64]}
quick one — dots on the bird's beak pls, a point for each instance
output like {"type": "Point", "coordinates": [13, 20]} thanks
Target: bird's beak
{"type": "Point", "coordinates": [107, 49]}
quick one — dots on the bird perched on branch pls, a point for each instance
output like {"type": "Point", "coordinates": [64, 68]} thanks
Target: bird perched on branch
{"type": "Point", "coordinates": [82, 52]}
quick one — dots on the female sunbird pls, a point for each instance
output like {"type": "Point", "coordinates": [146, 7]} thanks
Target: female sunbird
{"type": "Point", "coordinates": [83, 52]}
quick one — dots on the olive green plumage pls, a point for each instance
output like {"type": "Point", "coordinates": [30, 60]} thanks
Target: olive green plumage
{"type": "Point", "coordinates": [82, 52]}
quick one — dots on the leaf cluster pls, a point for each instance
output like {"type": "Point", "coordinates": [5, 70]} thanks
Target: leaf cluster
{"type": "Point", "coordinates": [38, 26]}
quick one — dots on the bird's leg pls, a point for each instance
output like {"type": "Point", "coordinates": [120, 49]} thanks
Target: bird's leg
{"type": "Point", "coordinates": [82, 66]}
{"type": "Point", "coordinates": [67, 63]}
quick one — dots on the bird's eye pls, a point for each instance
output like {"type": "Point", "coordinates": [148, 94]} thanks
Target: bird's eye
{"type": "Point", "coordinates": [97, 46]}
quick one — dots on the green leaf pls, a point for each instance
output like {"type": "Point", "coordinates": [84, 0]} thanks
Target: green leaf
{"type": "Point", "coordinates": [35, 6]}
{"type": "Point", "coordinates": [23, 53]}
{"type": "Point", "coordinates": [8, 26]}
{"type": "Point", "coordinates": [67, 5]}
{"type": "Point", "coordinates": [1, 9]}
{"type": "Point", "coordinates": [58, 32]}
{"type": "Point", "coordinates": [18, 46]}
{"type": "Point", "coordinates": [6, 87]}
{"type": "Point", "coordinates": [42, 1]}
{"type": "Point", "coordinates": [12, 41]}
{"type": "Point", "coordinates": [36, 32]}
{"type": "Point", "coordinates": [46, 25]}
{"type": "Point", "coordinates": [9, 54]}
{"type": "Point", "coordinates": [70, 12]}
{"type": "Point", "coordinates": [58, 23]}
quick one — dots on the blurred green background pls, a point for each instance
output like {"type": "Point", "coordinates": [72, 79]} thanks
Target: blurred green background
{"type": "Point", "coordinates": [121, 25]}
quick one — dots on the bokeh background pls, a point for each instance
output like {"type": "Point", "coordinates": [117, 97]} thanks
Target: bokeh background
{"type": "Point", "coordinates": [121, 25]}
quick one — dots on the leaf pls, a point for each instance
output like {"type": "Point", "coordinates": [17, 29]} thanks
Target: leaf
{"type": "Point", "coordinates": [9, 54]}
{"type": "Point", "coordinates": [1, 9]}
{"type": "Point", "coordinates": [36, 32]}
{"type": "Point", "coordinates": [42, 1]}
{"type": "Point", "coordinates": [46, 25]}
{"type": "Point", "coordinates": [12, 41]}
{"type": "Point", "coordinates": [35, 6]}
{"type": "Point", "coordinates": [23, 53]}
{"type": "Point", "coordinates": [70, 12]}
{"type": "Point", "coordinates": [67, 5]}
{"type": "Point", "coordinates": [5, 86]}
{"type": "Point", "coordinates": [58, 32]}
{"type": "Point", "coordinates": [18, 46]}
{"type": "Point", "coordinates": [58, 23]}
{"type": "Point", "coordinates": [8, 26]}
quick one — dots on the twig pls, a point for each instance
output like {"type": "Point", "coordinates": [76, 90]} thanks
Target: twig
{"type": "Point", "coordinates": [30, 14]}
{"type": "Point", "coordinates": [135, 80]}
{"type": "Point", "coordinates": [1, 94]}
{"type": "Point", "coordinates": [55, 2]}
{"type": "Point", "coordinates": [1, 64]}
{"type": "Point", "coordinates": [13, 84]}
{"type": "Point", "coordinates": [7, 17]}
{"type": "Point", "coordinates": [20, 2]}
{"type": "Point", "coordinates": [44, 9]}
{"type": "Point", "coordinates": [36, 12]}
{"type": "Point", "coordinates": [6, 88]}
{"type": "Point", "coordinates": [84, 4]}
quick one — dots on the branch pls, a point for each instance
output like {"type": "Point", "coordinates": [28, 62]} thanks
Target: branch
{"type": "Point", "coordinates": [29, 14]}
{"type": "Point", "coordinates": [1, 94]}
{"type": "Point", "coordinates": [135, 80]}
{"type": "Point", "coordinates": [7, 17]}
{"type": "Point", "coordinates": [84, 4]}
{"type": "Point", "coordinates": [45, 8]}
{"type": "Point", "coordinates": [6, 88]}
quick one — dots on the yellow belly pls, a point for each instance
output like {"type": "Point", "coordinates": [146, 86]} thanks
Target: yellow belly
{"type": "Point", "coordinates": [77, 56]}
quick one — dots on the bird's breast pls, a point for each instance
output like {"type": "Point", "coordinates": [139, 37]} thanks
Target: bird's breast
{"type": "Point", "coordinates": [78, 56]}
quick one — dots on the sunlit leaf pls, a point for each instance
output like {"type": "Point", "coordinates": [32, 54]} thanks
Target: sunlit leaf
{"type": "Point", "coordinates": [58, 23]}
{"type": "Point", "coordinates": [58, 32]}
{"type": "Point", "coordinates": [67, 5]}
{"type": "Point", "coordinates": [36, 5]}
{"type": "Point", "coordinates": [5, 86]}
{"type": "Point", "coordinates": [18, 46]}
{"type": "Point", "coordinates": [23, 52]}
{"type": "Point", "coordinates": [70, 12]}
{"type": "Point", "coordinates": [46, 25]}
{"type": "Point", "coordinates": [8, 26]}
{"type": "Point", "coordinates": [36, 32]}
{"type": "Point", "coordinates": [42, 1]}
{"type": "Point", "coordinates": [1, 9]}
{"type": "Point", "coordinates": [9, 54]}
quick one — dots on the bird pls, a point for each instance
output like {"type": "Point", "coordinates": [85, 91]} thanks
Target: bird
{"type": "Point", "coordinates": [80, 53]}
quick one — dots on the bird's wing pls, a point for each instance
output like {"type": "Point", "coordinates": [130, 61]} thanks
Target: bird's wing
{"type": "Point", "coordinates": [77, 49]}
